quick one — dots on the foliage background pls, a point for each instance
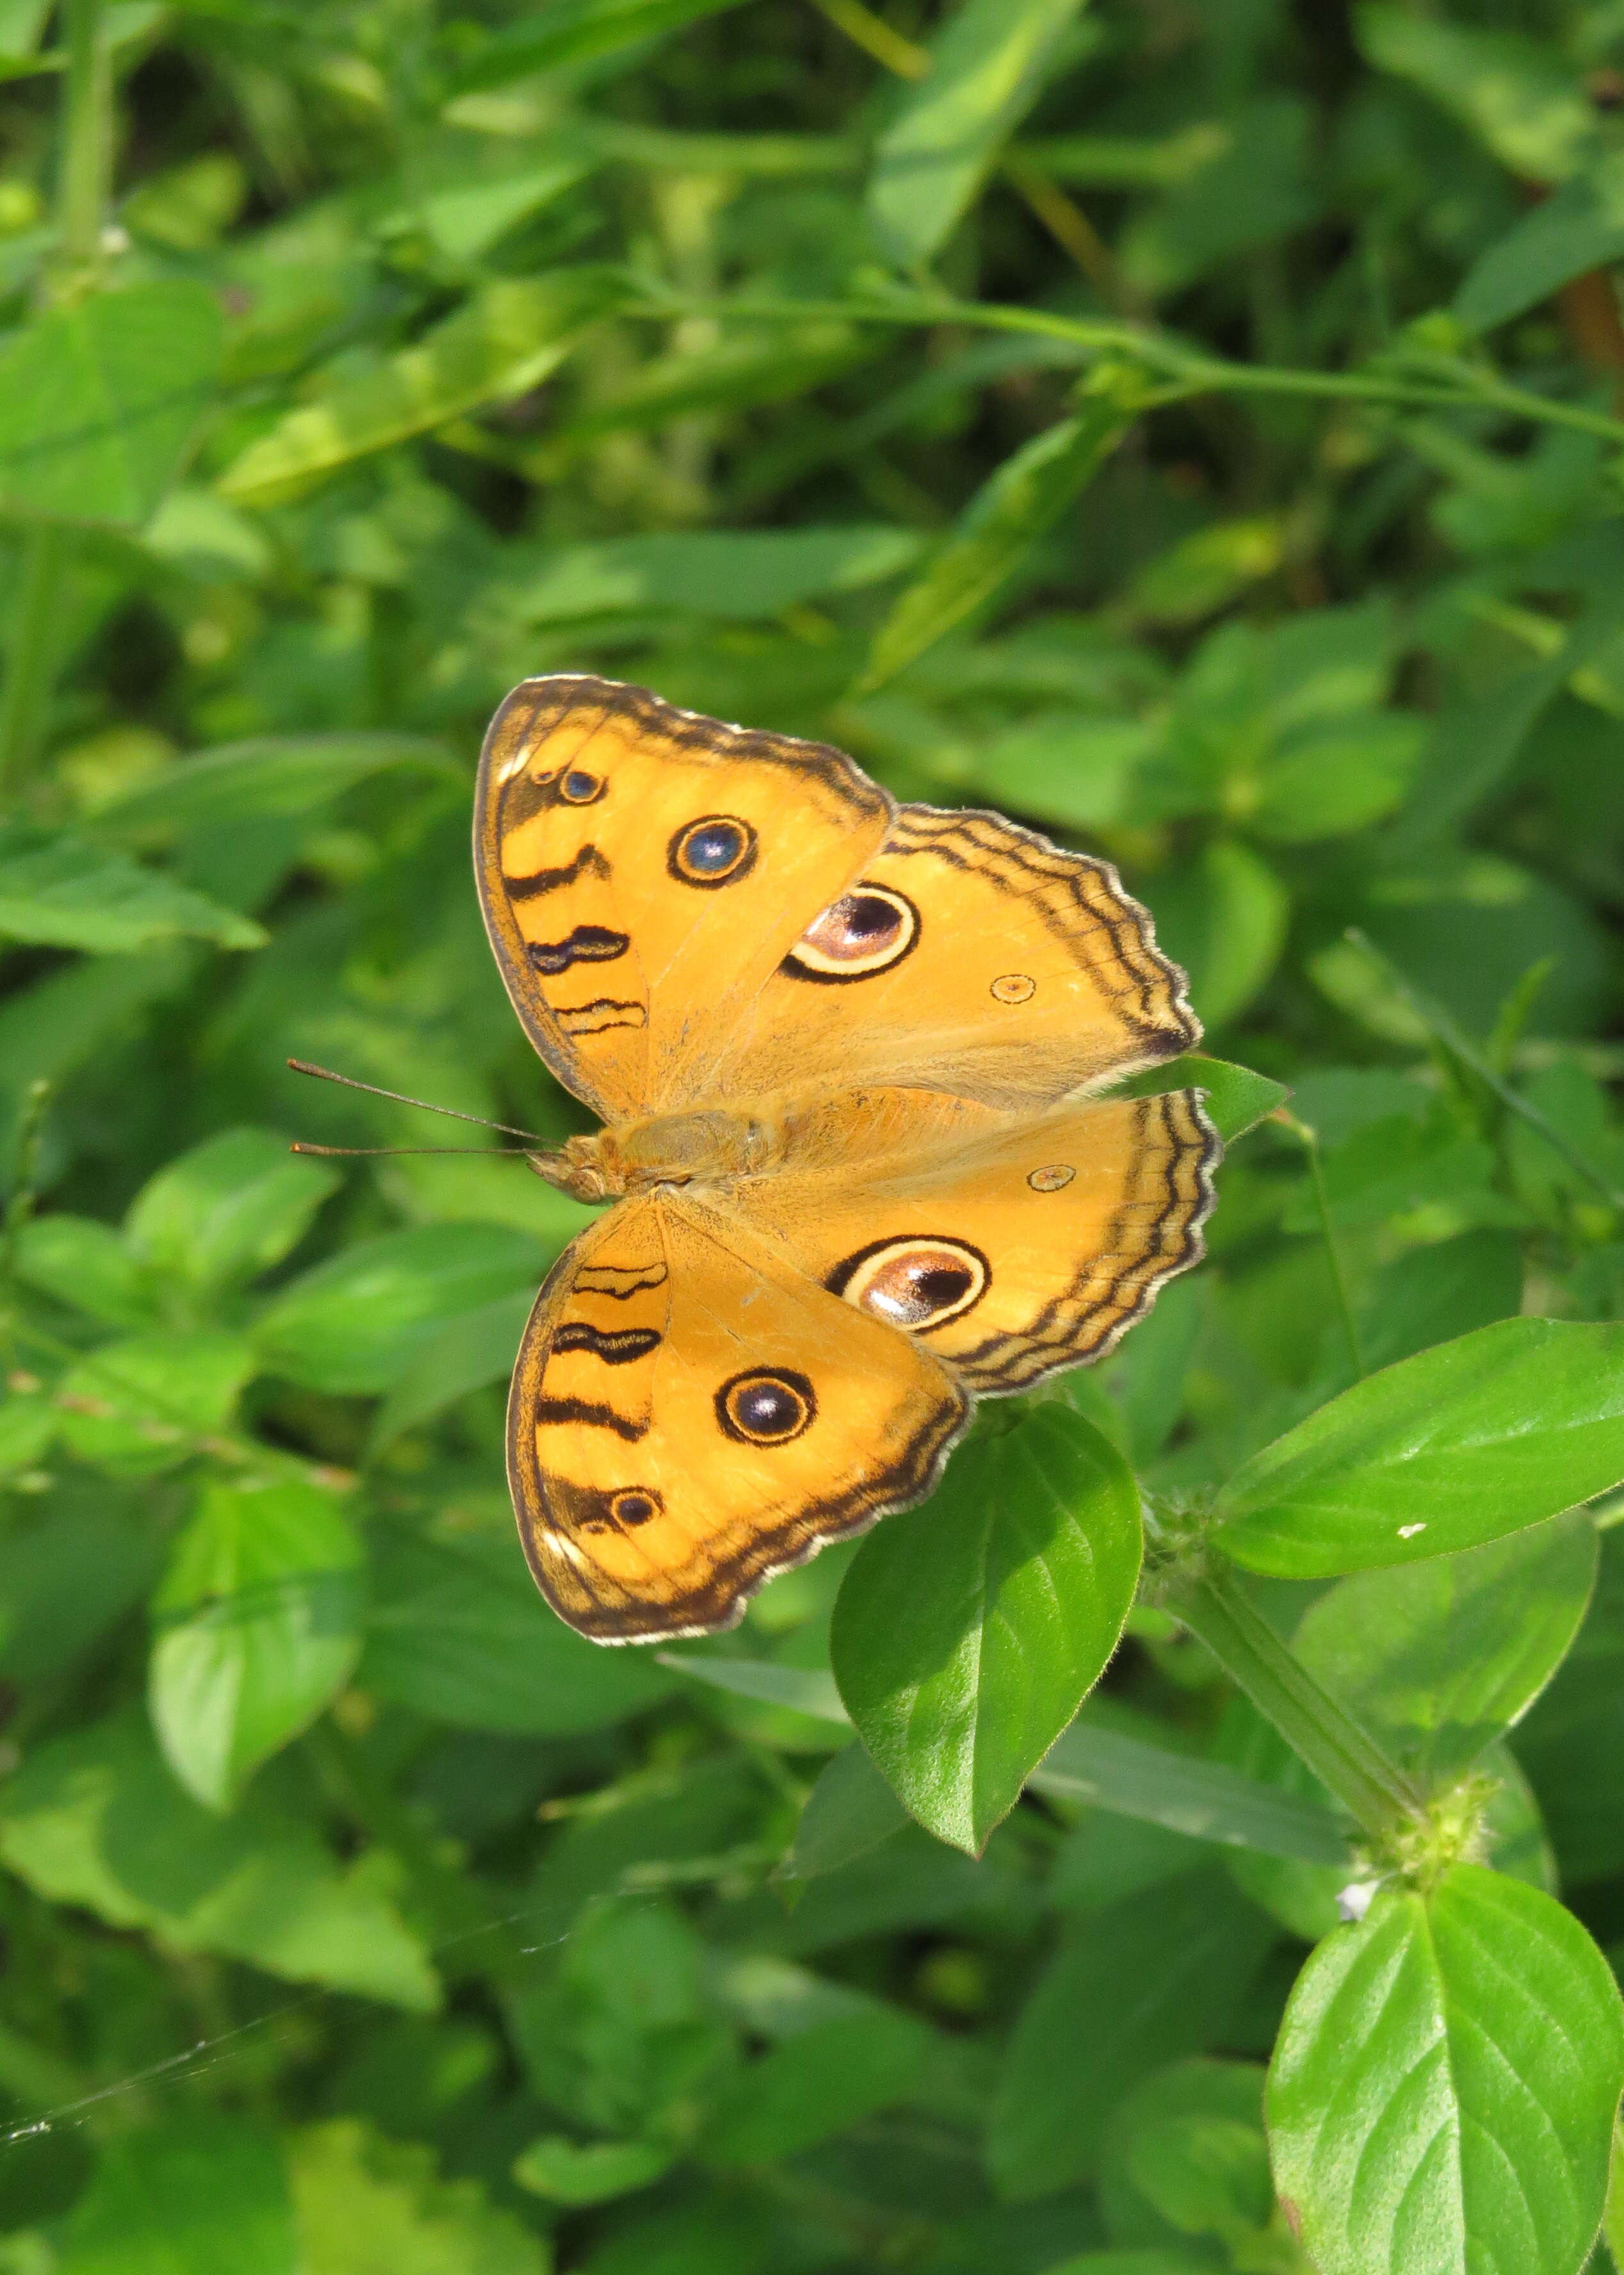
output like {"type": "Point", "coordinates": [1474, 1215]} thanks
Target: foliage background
{"type": "Point", "coordinates": [366, 356]}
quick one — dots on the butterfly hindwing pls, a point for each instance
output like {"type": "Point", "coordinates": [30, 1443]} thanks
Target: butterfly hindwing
{"type": "Point", "coordinates": [1008, 1246]}
{"type": "Point", "coordinates": [690, 1414]}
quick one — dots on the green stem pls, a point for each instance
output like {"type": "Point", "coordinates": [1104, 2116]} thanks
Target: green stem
{"type": "Point", "coordinates": [31, 665]}
{"type": "Point", "coordinates": [1347, 1762]}
{"type": "Point", "coordinates": [1309, 1140]}
{"type": "Point", "coordinates": [1458, 386]}
{"type": "Point", "coordinates": [85, 175]}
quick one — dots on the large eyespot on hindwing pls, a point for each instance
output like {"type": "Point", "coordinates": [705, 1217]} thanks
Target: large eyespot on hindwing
{"type": "Point", "coordinates": [768, 1406]}
{"type": "Point", "coordinates": [867, 930]}
{"type": "Point", "coordinates": [921, 1280]}
{"type": "Point", "coordinates": [718, 849]}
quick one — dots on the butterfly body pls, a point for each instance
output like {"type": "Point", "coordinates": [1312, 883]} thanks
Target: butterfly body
{"type": "Point", "coordinates": [849, 1058]}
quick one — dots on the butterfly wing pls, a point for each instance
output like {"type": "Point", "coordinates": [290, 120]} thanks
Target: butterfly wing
{"type": "Point", "coordinates": [1007, 1245]}
{"type": "Point", "coordinates": [689, 1414]}
{"type": "Point", "coordinates": [643, 871]}
{"type": "Point", "coordinates": [973, 957]}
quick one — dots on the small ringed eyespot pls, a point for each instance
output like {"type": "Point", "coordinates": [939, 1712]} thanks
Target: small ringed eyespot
{"type": "Point", "coordinates": [716, 849]}
{"type": "Point", "coordinates": [1052, 1179]}
{"type": "Point", "coordinates": [580, 787]}
{"type": "Point", "coordinates": [867, 930]}
{"type": "Point", "coordinates": [1013, 987]}
{"type": "Point", "coordinates": [635, 1505]}
{"type": "Point", "coordinates": [766, 1407]}
{"type": "Point", "coordinates": [920, 1282]}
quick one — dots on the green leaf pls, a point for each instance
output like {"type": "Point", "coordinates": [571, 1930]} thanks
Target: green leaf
{"type": "Point", "coordinates": [734, 575]}
{"type": "Point", "coordinates": [66, 1578]}
{"type": "Point", "coordinates": [142, 1405]}
{"type": "Point", "coordinates": [1223, 916]}
{"type": "Point", "coordinates": [96, 1819]}
{"type": "Point", "coordinates": [501, 343]}
{"type": "Point", "coordinates": [228, 1210]}
{"type": "Point", "coordinates": [1252, 186]}
{"type": "Point", "coordinates": [988, 66]}
{"type": "Point", "coordinates": [1185, 2097]}
{"type": "Point", "coordinates": [1580, 227]}
{"type": "Point", "coordinates": [98, 402]}
{"type": "Point", "coordinates": [1236, 1098]}
{"type": "Point", "coordinates": [470, 1350]}
{"type": "Point", "coordinates": [266, 777]}
{"type": "Point", "coordinates": [850, 1810]}
{"type": "Point", "coordinates": [577, 2173]}
{"type": "Point", "coordinates": [364, 2206]}
{"type": "Point", "coordinates": [457, 1631]}
{"type": "Point", "coordinates": [803, 1690]}
{"type": "Point", "coordinates": [85, 1264]}
{"type": "Point", "coordinates": [818, 2083]}
{"type": "Point", "coordinates": [199, 2190]}
{"type": "Point", "coordinates": [61, 891]}
{"type": "Point", "coordinates": [1206, 1799]}
{"type": "Point", "coordinates": [1432, 1295]}
{"type": "Point", "coordinates": [358, 1322]}
{"type": "Point", "coordinates": [257, 1624]}
{"type": "Point", "coordinates": [573, 32]}
{"type": "Point", "coordinates": [1520, 97]}
{"type": "Point", "coordinates": [968, 1630]}
{"type": "Point", "coordinates": [1444, 2084]}
{"type": "Point", "coordinates": [1457, 1446]}
{"type": "Point", "coordinates": [1012, 509]}
{"type": "Point", "coordinates": [1438, 1659]}
{"type": "Point", "coordinates": [1160, 1974]}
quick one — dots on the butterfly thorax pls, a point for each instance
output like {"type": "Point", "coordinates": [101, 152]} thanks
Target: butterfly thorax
{"type": "Point", "coordinates": [801, 1130]}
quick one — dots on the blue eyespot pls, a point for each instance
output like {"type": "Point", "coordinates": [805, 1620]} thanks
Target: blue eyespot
{"type": "Point", "coordinates": [580, 787]}
{"type": "Point", "coordinates": [713, 850]}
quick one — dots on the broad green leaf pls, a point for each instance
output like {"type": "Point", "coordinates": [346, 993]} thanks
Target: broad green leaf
{"type": "Point", "coordinates": [99, 401]}
{"type": "Point", "coordinates": [86, 1264]}
{"type": "Point", "coordinates": [1195, 2093]}
{"type": "Point", "coordinates": [1205, 2175]}
{"type": "Point", "coordinates": [818, 2083]}
{"type": "Point", "coordinates": [266, 777]}
{"type": "Point", "coordinates": [968, 1630]}
{"type": "Point", "coordinates": [1519, 96]}
{"type": "Point", "coordinates": [1223, 916]}
{"type": "Point", "coordinates": [1581, 227]}
{"type": "Point", "coordinates": [1438, 1659]}
{"type": "Point", "coordinates": [96, 1819]}
{"type": "Point", "coordinates": [1158, 1975]}
{"type": "Point", "coordinates": [457, 1631]}
{"type": "Point", "coordinates": [228, 1210]}
{"type": "Point", "coordinates": [470, 1350]}
{"type": "Point", "coordinates": [1206, 1799]}
{"type": "Point", "coordinates": [573, 32]}
{"type": "Point", "coordinates": [1457, 1446]}
{"type": "Point", "coordinates": [1079, 774]}
{"type": "Point", "coordinates": [61, 891]}
{"type": "Point", "coordinates": [1236, 1098]}
{"type": "Point", "coordinates": [356, 1322]}
{"type": "Point", "coordinates": [1443, 2092]}
{"type": "Point", "coordinates": [257, 1624]}
{"type": "Point", "coordinates": [1572, 1743]}
{"type": "Point", "coordinates": [199, 2190]}
{"type": "Point", "coordinates": [850, 1810]}
{"type": "Point", "coordinates": [1013, 509]}
{"type": "Point", "coordinates": [1432, 1295]}
{"type": "Point", "coordinates": [365, 2205]}
{"type": "Point", "coordinates": [574, 2173]}
{"type": "Point", "coordinates": [503, 342]}
{"type": "Point", "coordinates": [988, 64]}
{"type": "Point", "coordinates": [143, 1404]}
{"type": "Point", "coordinates": [736, 575]}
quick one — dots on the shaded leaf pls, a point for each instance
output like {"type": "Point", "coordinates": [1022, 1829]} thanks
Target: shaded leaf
{"type": "Point", "coordinates": [1207, 1800]}
{"type": "Point", "coordinates": [200, 2190]}
{"type": "Point", "coordinates": [61, 891]}
{"type": "Point", "coordinates": [228, 1210]}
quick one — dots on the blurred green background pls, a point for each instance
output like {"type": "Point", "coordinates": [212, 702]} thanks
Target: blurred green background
{"type": "Point", "coordinates": [1193, 426]}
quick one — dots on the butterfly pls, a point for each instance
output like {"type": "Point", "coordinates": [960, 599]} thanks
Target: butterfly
{"type": "Point", "coordinates": [847, 1053]}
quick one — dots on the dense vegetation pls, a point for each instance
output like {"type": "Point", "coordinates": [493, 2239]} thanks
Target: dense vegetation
{"type": "Point", "coordinates": [1193, 426]}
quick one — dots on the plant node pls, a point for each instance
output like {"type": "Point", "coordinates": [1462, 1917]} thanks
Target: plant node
{"type": "Point", "coordinates": [1449, 1828]}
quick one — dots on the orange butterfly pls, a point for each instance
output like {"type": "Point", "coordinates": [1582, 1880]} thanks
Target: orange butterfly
{"type": "Point", "coordinates": [846, 1053]}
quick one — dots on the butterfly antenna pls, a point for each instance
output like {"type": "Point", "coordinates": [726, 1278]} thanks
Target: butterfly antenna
{"type": "Point", "coordinates": [326, 1073]}
{"type": "Point", "coordinates": [486, 1153]}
